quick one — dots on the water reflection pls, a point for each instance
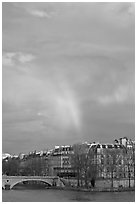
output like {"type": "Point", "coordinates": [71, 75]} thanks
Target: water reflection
{"type": "Point", "coordinates": [50, 195]}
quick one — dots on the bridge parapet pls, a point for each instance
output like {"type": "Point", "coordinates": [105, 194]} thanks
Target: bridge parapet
{"type": "Point", "coordinates": [11, 181]}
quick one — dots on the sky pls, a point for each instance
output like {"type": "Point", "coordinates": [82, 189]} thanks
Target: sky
{"type": "Point", "coordinates": [68, 74]}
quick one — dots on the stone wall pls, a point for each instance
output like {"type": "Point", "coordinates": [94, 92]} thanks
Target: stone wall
{"type": "Point", "coordinates": [106, 183]}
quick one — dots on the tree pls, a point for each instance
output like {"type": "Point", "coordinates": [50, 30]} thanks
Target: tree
{"type": "Point", "coordinates": [129, 163]}
{"type": "Point", "coordinates": [76, 164]}
{"type": "Point", "coordinates": [112, 156]}
{"type": "Point", "coordinates": [10, 167]}
{"type": "Point", "coordinates": [79, 162]}
{"type": "Point", "coordinates": [84, 167]}
{"type": "Point", "coordinates": [84, 163]}
{"type": "Point", "coordinates": [92, 166]}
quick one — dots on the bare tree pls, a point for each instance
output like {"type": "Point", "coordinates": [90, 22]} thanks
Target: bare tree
{"type": "Point", "coordinates": [11, 166]}
{"type": "Point", "coordinates": [92, 166]}
{"type": "Point", "coordinates": [113, 157]}
{"type": "Point", "coordinates": [84, 162]}
{"type": "Point", "coordinates": [129, 163]}
{"type": "Point", "coordinates": [79, 162]}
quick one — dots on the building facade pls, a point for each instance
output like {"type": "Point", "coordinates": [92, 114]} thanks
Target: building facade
{"type": "Point", "coordinates": [60, 161]}
{"type": "Point", "coordinates": [110, 161]}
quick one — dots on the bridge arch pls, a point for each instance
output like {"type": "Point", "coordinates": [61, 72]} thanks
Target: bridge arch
{"type": "Point", "coordinates": [22, 180]}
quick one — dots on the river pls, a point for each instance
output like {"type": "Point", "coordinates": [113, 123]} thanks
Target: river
{"type": "Point", "coordinates": [53, 195]}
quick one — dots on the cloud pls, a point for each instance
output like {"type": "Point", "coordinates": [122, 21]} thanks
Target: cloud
{"type": "Point", "coordinates": [121, 95]}
{"type": "Point", "coordinates": [11, 58]}
{"type": "Point", "coordinates": [83, 62]}
{"type": "Point", "coordinates": [131, 8]}
{"type": "Point", "coordinates": [41, 13]}
{"type": "Point", "coordinates": [127, 8]}
{"type": "Point", "coordinates": [120, 12]}
{"type": "Point", "coordinates": [7, 59]}
{"type": "Point", "coordinates": [24, 58]}
{"type": "Point", "coordinates": [50, 98]}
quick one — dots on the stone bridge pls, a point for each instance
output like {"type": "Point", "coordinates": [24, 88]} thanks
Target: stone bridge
{"type": "Point", "coordinates": [11, 181]}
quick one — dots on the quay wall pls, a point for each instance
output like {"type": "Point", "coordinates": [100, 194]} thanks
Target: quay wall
{"type": "Point", "coordinates": [106, 183]}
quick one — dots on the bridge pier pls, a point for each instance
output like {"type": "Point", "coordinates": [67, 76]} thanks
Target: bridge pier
{"type": "Point", "coordinates": [7, 185]}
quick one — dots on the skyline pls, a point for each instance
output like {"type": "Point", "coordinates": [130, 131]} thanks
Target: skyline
{"type": "Point", "coordinates": [41, 151]}
{"type": "Point", "coordinates": [68, 74]}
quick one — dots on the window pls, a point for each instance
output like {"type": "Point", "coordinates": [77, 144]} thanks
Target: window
{"type": "Point", "coordinates": [65, 161]}
{"type": "Point", "coordinates": [98, 146]}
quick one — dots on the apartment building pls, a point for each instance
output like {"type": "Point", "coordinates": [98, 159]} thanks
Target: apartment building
{"type": "Point", "coordinates": [60, 161]}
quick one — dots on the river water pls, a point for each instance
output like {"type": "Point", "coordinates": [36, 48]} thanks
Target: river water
{"type": "Point", "coordinates": [53, 195]}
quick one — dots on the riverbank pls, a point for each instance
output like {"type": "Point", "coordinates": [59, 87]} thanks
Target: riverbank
{"type": "Point", "coordinates": [94, 189]}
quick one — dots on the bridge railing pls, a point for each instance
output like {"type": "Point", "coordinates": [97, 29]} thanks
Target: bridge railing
{"type": "Point", "coordinates": [37, 177]}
